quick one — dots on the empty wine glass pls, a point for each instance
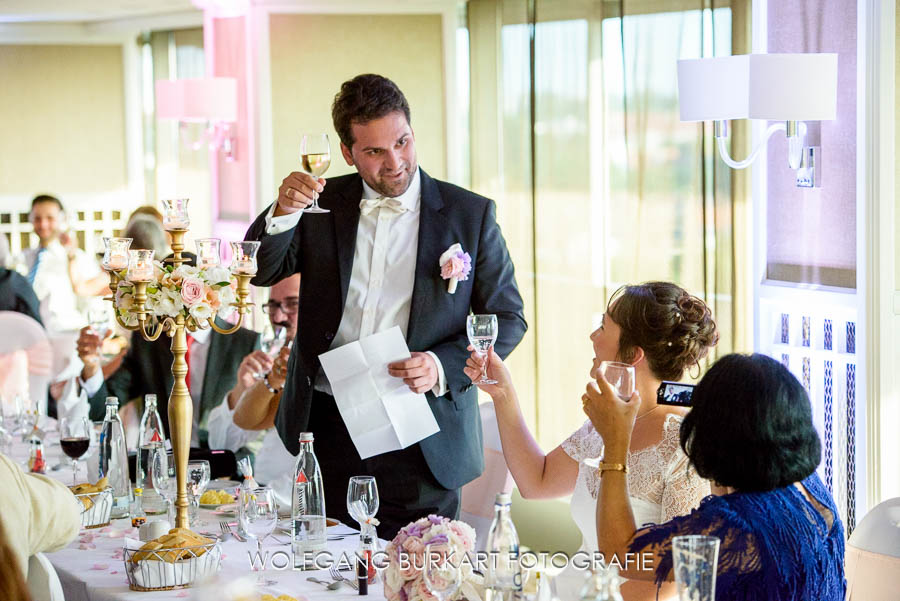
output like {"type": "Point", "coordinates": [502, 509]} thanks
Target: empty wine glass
{"type": "Point", "coordinates": [75, 440]}
{"type": "Point", "coordinates": [442, 577]}
{"type": "Point", "coordinates": [620, 376]}
{"type": "Point", "coordinates": [315, 157]}
{"type": "Point", "coordinates": [98, 318]}
{"type": "Point", "coordinates": [271, 341]}
{"type": "Point", "coordinates": [482, 332]}
{"type": "Point", "coordinates": [259, 514]}
{"type": "Point", "coordinates": [164, 482]}
{"type": "Point", "coordinates": [362, 501]}
{"type": "Point", "coordinates": [198, 479]}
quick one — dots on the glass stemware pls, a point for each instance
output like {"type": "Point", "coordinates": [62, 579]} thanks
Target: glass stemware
{"type": "Point", "coordinates": [259, 514]}
{"type": "Point", "coordinates": [164, 482]}
{"type": "Point", "coordinates": [198, 480]}
{"type": "Point", "coordinates": [315, 157]}
{"type": "Point", "coordinates": [75, 440]}
{"type": "Point", "coordinates": [482, 332]}
{"type": "Point", "coordinates": [362, 501]}
{"type": "Point", "coordinates": [271, 341]}
{"type": "Point", "coordinates": [620, 376]}
{"type": "Point", "coordinates": [442, 577]}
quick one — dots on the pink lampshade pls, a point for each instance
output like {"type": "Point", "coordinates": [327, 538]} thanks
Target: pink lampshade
{"type": "Point", "coordinates": [208, 99]}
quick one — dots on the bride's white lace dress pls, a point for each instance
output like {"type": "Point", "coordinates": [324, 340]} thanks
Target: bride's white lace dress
{"type": "Point", "coordinates": [661, 482]}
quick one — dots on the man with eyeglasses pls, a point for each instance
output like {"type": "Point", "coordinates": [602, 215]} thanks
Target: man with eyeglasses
{"type": "Point", "coordinates": [237, 421]}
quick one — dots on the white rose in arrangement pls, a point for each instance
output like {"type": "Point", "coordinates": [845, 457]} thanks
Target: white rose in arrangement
{"type": "Point", "coordinates": [226, 298]}
{"type": "Point", "coordinates": [201, 312]}
{"type": "Point", "coordinates": [217, 275]}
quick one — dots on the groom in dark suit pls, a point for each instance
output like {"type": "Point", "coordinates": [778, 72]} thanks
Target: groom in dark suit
{"type": "Point", "coordinates": [372, 263]}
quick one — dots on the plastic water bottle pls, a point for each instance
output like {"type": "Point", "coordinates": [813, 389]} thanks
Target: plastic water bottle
{"type": "Point", "coordinates": [602, 585]}
{"type": "Point", "coordinates": [307, 505]}
{"type": "Point", "coordinates": [151, 436]}
{"type": "Point", "coordinates": [503, 578]}
{"type": "Point", "coordinates": [113, 459]}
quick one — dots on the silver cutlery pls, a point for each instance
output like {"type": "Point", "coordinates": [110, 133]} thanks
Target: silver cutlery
{"type": "Point", "coordinates": [227, 529]}
{"type": "Point", "coordinates": [331, 586]}
{"type": "Point", "coordinates": [337, 576]}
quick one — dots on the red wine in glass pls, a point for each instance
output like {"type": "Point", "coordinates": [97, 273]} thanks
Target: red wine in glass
{"type": "Point", "coordinates": [75, 447]}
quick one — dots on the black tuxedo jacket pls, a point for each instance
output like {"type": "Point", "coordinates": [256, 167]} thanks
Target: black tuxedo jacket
{"type": "Point", "coordinates": [147, 368]}
{"type": "Point", "coordinates": [321, 247]}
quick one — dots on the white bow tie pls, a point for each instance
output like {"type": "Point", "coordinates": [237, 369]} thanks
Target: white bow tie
{"type": "Point", "coordinates": [370, 204]}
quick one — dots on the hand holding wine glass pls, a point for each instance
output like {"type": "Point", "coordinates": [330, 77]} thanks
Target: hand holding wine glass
{"type": "Point", "coordinates": [482, 333]}
{"type": "Point", "coordinates": [272, 340]}
{"type": "Point", "coordinates": [620, 376]}
{"type": "Point", "coordinates": [315, 158]}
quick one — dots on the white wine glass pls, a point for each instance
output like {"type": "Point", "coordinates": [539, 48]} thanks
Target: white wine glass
{"type": "Point", "coordinates": [198, 480]}
{"type": "Point", "coordinates": [442, 577]}
{"type": "Point", "coordinates": [620, 376]}
{"type": "Point", "coordinates": [259, 514]}
{"type": "Point", "coordinates": [164, 480]}
{"type": "Point", "coordinates": [315, 158]}
{"type": "Point", "coordinates": [272, 340]}
{"type": "Point", "coordinates": [362, 500]}
{"type": "Point", "coordinates": [482, 332]}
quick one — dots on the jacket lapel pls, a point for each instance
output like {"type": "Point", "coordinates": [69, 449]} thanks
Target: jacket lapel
{"type": "Point", "coordinates": [432, 231]}
{"type": "Point", "coordinates": [346, 221]}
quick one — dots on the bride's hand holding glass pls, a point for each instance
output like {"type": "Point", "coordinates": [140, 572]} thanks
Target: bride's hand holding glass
{"type": "Point", "coordinates": [478, 365]}
{"type": "Point", "coordinates": [612, 416]}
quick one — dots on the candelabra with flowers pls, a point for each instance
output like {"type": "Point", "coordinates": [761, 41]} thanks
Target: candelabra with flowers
{"type": "Point", "coordinates": [156, 297]}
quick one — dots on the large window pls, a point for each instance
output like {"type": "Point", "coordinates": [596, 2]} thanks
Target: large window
{"type": "Point", "coordinates": [597, 181]}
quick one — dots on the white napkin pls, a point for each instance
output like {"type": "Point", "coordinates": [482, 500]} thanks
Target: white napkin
{"type": "Point", "coordinates": [149, 573]}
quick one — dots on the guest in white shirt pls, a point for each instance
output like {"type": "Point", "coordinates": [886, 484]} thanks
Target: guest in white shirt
{"type": "Point", "coordinates": [58, 271]}
{"type": "Point", "coordinates": [237, 421]}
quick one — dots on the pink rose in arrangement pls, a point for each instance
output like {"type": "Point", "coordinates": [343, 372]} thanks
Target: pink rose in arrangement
{"type": "Point", "coordinates": [192, 291]}
{"type": "Point", "coordinates": [403, 579]}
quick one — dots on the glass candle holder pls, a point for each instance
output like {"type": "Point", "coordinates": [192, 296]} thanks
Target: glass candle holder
{"type": "Point", "coordinates": [175, 215]}
{"type": "Point", "coordinates": [208, 252]}
{"type": "Point", "coordinates": [243, 260]}
{"type": "Point", "coordinates": [115, 253]}
{"type": "Point", "coordinates": [140, 265]}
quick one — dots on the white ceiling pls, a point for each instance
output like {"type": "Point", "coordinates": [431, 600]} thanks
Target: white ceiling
{"type": "Point", "coordinates": [85, 11]}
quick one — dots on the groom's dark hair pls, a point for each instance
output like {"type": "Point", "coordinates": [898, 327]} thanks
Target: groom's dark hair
{"type": "Point", "coordinates": [363, 99]}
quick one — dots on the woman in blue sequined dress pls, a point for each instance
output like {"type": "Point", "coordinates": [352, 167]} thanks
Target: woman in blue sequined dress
{"type": "Point", "coordinates": [750, 431]}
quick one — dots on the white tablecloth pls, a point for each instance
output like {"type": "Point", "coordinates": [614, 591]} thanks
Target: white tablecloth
{"type": "Point", "coordinates": [92, 569]}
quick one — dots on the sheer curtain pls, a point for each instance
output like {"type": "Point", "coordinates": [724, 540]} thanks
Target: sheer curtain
{"type": "Point", "coordinates": [597, 181]}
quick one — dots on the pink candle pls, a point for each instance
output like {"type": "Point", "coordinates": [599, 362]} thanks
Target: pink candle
{"type": "Point", "coordinates": [117, 262]}
{"type": "Point", "coordinates": [176, 224]}
{"type": "Point", "coordinates": [140, 273]}
{"type": "Point", "coordinates": [244, 266]}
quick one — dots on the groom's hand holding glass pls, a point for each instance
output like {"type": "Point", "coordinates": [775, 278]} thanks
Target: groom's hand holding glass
{"type": "Point", "coordinates": [297, 192]}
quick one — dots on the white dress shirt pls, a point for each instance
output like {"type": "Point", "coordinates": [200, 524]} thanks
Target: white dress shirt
{"type": "Point", "coordinates": [196, 373]}
{"type": "Point", "coordinates": [379, 296]}
{"type": "Point", "coordinates": [60, 309]}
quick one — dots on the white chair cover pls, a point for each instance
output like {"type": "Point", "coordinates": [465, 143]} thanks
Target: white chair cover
{"type": "Point", "coordinates": [478, 495]}
{"type": "Point", "coordinates": [21, 333]}
{"type": "Point", "coordinates": [43, 583]}
{"type": "Point", "coordinates": [872, 558]}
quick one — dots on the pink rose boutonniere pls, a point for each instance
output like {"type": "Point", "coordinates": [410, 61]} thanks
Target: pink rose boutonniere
{"type": "Point", "coordinates": [455, 266]}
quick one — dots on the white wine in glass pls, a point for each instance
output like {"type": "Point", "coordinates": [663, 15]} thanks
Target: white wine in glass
{"type": "Point", "coordinates": [315, 158]}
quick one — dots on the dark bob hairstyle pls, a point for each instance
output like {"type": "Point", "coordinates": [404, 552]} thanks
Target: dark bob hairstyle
{"type": "Point", "coordinates": [750, 426]}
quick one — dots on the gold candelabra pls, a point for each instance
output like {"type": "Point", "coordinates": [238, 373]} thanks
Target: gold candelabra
{"type": "Point", "coordinates": [181, 408]}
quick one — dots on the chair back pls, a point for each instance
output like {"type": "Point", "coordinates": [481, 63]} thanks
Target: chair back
{"type": "Point", "coordinates": [478, 495]}
{"type": "Point", "coordinates": [24, 337]}
{"type": "Point", "coordinates": [43, 583]}
{"type": "Point", "coordinates": [872, 555]}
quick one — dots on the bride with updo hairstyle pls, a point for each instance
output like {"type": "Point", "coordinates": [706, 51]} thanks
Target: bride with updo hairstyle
{"type": "Point", "coordinates": [663, 331]}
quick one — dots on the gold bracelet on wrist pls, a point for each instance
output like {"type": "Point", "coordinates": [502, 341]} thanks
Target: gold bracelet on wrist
{"type": "Point", "coordinates": [612, 467]}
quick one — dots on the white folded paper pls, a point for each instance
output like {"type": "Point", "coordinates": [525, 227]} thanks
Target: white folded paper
{"type": "Point", "coordinates": [380, 411]}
